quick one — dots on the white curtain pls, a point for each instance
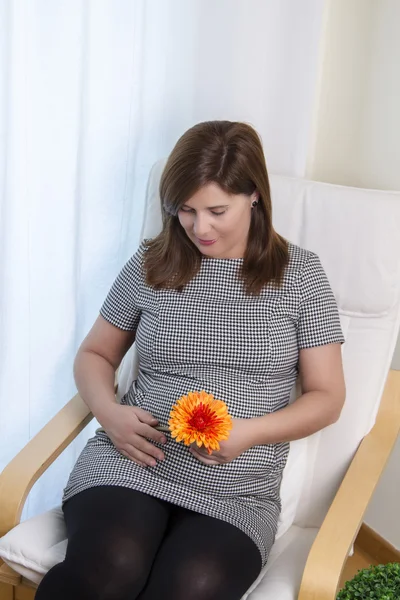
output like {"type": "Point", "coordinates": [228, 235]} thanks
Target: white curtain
{"type": "Point", "coordinates": [91, 94]}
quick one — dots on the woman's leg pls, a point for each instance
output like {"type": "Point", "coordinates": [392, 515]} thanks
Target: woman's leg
{"type": "Point", "coordinates": [202, 558]}
{"type": "Point", "coordinates": [113, 535]}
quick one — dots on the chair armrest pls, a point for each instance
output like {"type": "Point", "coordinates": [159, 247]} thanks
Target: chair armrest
{"type": "Point", "coordinates": [32, 461]}
{"type": "Point", "coordinates": [332, 545]}
{"type": "Point", "coordinates": [8, 576]}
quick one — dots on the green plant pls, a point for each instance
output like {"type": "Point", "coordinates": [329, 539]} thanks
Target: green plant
{"type": "Point", "coordinates": [376, 583]}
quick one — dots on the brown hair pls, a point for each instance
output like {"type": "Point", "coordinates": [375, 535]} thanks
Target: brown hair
{"type": "Point", "coordinates": [229, 154]}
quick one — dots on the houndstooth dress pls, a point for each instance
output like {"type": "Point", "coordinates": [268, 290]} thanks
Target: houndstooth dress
{"type": "Point", "coordinates": [244, 350]}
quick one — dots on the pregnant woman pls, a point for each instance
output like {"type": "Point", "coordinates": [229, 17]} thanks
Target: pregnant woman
{"type": "Point", "coordinates": [219, 302]}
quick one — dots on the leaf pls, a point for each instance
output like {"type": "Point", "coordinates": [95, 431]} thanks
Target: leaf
{"type": "Point", "coordinates": [381, 582]}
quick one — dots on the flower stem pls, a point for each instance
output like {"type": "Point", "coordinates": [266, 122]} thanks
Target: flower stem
{"type": "Point", "coordinates": [162, 428]}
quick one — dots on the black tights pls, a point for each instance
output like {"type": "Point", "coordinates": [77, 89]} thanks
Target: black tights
{"type": "Point", "coordinates": [124, 545]}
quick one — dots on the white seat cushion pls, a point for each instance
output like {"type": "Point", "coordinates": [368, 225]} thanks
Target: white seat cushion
{"type": "Point", "coordinates": [281, 577]}
{"type": "Point", "coordinates": [36, 545]}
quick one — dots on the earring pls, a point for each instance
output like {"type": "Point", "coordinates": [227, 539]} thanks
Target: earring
{"type": "Point", "coordinates": [254, 203]}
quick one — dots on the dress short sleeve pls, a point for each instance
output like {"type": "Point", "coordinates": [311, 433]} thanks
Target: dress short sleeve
{"type": "Point", "coordinates": [120, 307]}
{"type": "Point", "coordinates": [318, 322]}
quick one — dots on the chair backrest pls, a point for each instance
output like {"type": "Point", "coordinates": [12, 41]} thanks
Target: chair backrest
{"type": "Point", "coordinates": [356, 234]}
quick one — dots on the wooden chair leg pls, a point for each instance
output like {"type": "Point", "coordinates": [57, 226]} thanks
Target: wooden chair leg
{"type": "Point", "coordinates": [6, 591]}
{"type": "Point", "coordinates": [24, 592]}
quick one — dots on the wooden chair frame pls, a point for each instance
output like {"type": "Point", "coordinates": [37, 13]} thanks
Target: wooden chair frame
{"type": "Point", "coordinates": [331, 547]}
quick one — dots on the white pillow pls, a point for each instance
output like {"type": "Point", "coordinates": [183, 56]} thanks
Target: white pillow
{"type": "Point", "coordinates": [294, 475]}
{"type": "Point", "coordinates": [36, 545]}
{"type": "Point", "coordinates": [292, 484]}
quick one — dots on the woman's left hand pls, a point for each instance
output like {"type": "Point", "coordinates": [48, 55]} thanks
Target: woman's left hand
{"type": "Point", "coordinates": [238, 442]}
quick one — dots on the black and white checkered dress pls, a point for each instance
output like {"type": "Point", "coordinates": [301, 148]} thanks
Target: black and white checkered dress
{"type": "Point", "coordinates": [242, 349]}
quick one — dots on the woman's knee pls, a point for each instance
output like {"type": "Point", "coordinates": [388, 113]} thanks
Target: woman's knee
{"type": "Point", "coordinates": [199, 579]}
{"type": "Point", "coordinates": [64, 583]}
{"type": "Point", "coordinates": [113, 567]}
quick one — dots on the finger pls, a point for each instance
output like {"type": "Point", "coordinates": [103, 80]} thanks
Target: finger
{"type": "Point", "coordinates": [202, 451]}
{"type": "Point", "coordinates": [146, 447]}
{"type": "Point", "coordinates": [153, 434]}
{"type": "Point", "coordinates": [142, 457]}
{"type": "Point", "coordinates": [141, 464]}
{"type": "Point", "coordinates": [145, 417]}
{"type": "Point", "coordinates": [203, 458]}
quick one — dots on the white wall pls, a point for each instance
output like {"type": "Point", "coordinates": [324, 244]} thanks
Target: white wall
{"type": "Point", "coordinates": [379, 167]}
{"type": "Point", "coordinates": [344, 59]}
{"type": "Point", "coordinates": [356, 141]}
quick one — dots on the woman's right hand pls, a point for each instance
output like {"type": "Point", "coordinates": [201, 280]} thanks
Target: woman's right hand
{"type": "Point", "coordinates": [130, 428]}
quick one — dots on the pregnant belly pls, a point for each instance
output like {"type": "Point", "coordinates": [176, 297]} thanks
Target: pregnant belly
{"type": "Point", "coordinates": [247, 474]}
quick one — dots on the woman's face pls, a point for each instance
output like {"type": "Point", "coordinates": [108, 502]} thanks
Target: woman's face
{"type": "Point", "coordinates": [216, 222]}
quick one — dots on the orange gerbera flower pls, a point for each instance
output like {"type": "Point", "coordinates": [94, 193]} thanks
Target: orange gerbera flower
{"type": "Point", "coordinates": [199, 418]}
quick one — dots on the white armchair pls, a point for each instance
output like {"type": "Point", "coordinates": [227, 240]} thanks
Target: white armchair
{"type": "Point", "coordinates": [330, 476]}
